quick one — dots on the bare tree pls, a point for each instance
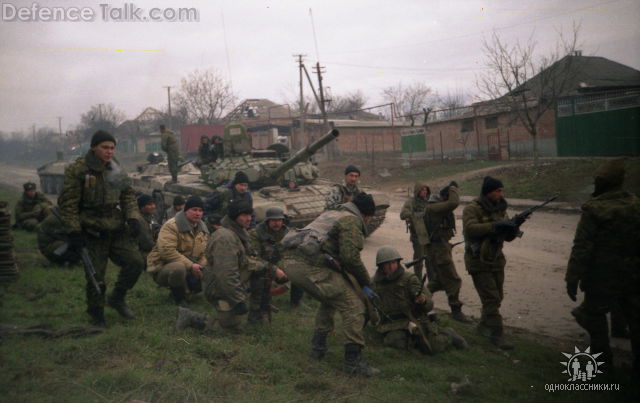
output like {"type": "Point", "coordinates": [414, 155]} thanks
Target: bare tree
{"type": "Point", "coordinates": [205, 96]}
{"type": "Point", "coordinates": [452, 103]}
{"type": "Point", "coordinates": [100, 117]}
{"type": "Point", "coordinates": [524, 84]}
{"type": "Point", "coordinates": [350, 102]}
{"type": "Point", "coordinates": [410, 100]}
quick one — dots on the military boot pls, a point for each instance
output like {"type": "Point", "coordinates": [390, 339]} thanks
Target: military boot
{"type": "Point", "coordinates": [354, 364]}
{"type": "Point", "coordinates": [97, 316]}
{"type": "Point", "coordinates": [187, 318]}
{"type": "Point", "coordinates": [116, 301]}
{"type": "Point", "coordinates": [318, 345]}
{"type": "Point", "coordinates": [456, 314]}
{"type": "Point", "coordinates": [179, 296]}
{"type": "Point", "coordinates": [497, 339]}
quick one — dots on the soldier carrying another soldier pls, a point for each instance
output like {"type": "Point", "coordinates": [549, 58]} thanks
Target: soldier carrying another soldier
{"type": "Point", "coordinates": [32, 208]}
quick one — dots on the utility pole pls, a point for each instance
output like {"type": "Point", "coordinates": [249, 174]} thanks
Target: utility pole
{"type": "Point", "coordinates": [302, 108]}
{"type": "Point", "coordinates": [323, 109]}
{"type": "Point", "coordinates": [61, 145]}
{"type": "Point", "coordinates": [168, 87]}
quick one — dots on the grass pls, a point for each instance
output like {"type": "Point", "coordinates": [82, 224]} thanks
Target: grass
{"type": "Point", "coordinates": [148, 360]}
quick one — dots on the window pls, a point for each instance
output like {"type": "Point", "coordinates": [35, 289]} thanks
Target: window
{"type": "Point", "coordinates": [467, 125]}
{"type": "Point", "coordinates": [491, 122]}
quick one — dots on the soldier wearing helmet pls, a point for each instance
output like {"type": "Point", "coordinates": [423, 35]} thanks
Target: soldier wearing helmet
{"type": "Point", "coordinates": [404, 305]}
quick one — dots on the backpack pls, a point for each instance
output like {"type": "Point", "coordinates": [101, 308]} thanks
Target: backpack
{"type": "Point", "coordinates": [310, 238]}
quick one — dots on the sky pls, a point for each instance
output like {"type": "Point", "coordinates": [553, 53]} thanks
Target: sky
{"type": "Point", "coordinates": [51, 69]}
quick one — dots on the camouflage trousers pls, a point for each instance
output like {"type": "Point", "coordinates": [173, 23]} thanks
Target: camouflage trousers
{"type": "Point", "coordinates": [591, 315]}
{"type": "Point", "coordinates": [439, 341]}
{"type": "Point", "coordinates": [419, 251]}
{"type": "Point", "coordinates": [489, 285]}
{"type": "Point", "coordinates": [122, 249]}
{"type": "Point", "coordinates": [334, 292]}
{"type": "Point", "coordinates": [172, 162]}
{"type": "Point", "coordinates": [445, 277]}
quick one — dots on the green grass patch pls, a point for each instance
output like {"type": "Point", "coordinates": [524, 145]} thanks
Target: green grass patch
{"type": "Point", "coordinates": [148, 360]}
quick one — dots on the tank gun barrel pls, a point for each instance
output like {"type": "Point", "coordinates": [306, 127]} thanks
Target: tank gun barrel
{"type": "Point", "coordinates": [305, 153]}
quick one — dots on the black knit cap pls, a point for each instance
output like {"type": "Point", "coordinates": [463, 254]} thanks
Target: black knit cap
{"type": "Point", "coordinates": [490, 184]}
{"type": "Point", "coordinates": [101, 136]}
{"type": "Point", "coordinates": [29, 186]}
{"type": "Point", "coordinates": [193, 201]}
{"type": "Point", "coordinates": [240, 177]}
{"type": "Point", "coordinates": [144, 199]}
{"type": "Point", "coordinates": [239, 207]}
{"type": "Point", "coordinates": [365, 203]}
{"type": "Point", "coordinates": [351, 168]}
{"type": "Point", "coordinates": [178, 200]}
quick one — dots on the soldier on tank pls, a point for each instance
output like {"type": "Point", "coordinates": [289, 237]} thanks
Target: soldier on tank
{"type": "Point", "coordinates": [346, 191]}
{"type": "Point", "coordinates": [404, 307]}
{"type": "Point", "coordinates": [169, 144]}
{"type": "Point", "coordinates": [605, 261]}
{"type": "Point", "coordinates": [99, 211]}
{"type": "Point", "coordinates": [32, 208]}
{"type": "Point", "coordinates": [204, 152]}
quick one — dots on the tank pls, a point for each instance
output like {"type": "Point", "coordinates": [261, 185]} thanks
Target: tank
{"type": "Point", "coordinates": [276, 178]}
{"type": "Point", "coordinates": [52, 175]}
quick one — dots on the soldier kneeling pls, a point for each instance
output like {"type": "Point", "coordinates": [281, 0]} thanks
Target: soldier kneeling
{"type": "Point", "coordinates": [404, 307]}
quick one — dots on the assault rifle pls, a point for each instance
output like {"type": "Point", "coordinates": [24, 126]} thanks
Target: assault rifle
{"type": "Point", "coordinates": [520, 218]}
{"type": "Point", "coordinates": [86, 263]}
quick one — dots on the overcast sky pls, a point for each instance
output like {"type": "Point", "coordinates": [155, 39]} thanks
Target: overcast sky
{"type": "Point", "coordinates": [51, 69]}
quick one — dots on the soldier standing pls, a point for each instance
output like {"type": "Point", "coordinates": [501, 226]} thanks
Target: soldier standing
{"type": "Point", "coordinates": [177, 259]}
{"type": "Point", "coordinates": [32, 208]}
{"type": "Point", "coordinates": [204, 152]}
{"type": "Point", "coordinates": [265, 243]}
{"type": "Point", "coordinates": [485, 227]}
{"type": "Point", "coordinates": [605, 261]}
{"type": "Point", "coordinates": [169, 144]}
{"type": "Point", "coordinates": [333, 273]}
{"type": "Point", "coordinates": [441, 225]}
{"type": "Point", "coordinates": [413, 214]}
{"type": "Point", "coordinates": [346, 191]}
{"type": "Point", "coordinates": [98, 208]}
{"type": "Point", "coordinates": [404, 307]}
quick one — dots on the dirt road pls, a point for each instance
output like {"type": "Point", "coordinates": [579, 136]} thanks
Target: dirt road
{"type": "Point", "coordinates": [16, 176]}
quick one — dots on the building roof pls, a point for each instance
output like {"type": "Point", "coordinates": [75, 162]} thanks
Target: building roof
{"type": "Point", "coordinates": [258, 109]}
{"type": "Point", "coordinates": [146, 123]}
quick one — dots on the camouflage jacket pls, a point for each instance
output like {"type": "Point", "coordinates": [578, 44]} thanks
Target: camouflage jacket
{"type": "Point", "coordinates": [179, 241]}
{"type": "Point", "coordinates": [266, 244]}
{"type": "Point", "coordinates": [439, 218]}
{"type": "Point", "coordinates": [413, 211]}
{"type": "Point", "coordinates": [397, 295]}
{"type": "Point", "coordinates": [605, 256]}
{"type": "Point", "coordinates": [26, 206]}
{"type": "Point", "coordinates": [96, 198]}
{"type": "Point", "coordinates": [340, 194]}
{"type": "Point", "coordinates": [169, 142]}
{"type": "Point", "coordinates": [50, 230]}
{"type": "Point", "coordinates": [229, 263]}
{"type": "Point", "coordinates": [149, 230]}
{"type": "Point", "coordinates": [483, 247]}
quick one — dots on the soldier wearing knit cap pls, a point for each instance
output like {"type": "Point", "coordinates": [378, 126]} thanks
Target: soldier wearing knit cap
{"type": "Point", "coordinates": [178, 206]}
{"type": "Point", "coordinates": [483, 220]}
{"type": "Point", "coordinates": [238, 189]}
{"type": "Point", "coordinates": [345, 192]}
{"type": "Point", "coordinates": [150, 227]}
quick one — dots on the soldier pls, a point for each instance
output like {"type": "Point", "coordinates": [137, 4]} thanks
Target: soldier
{"type": "Point", "coordinates": [32, 208]}
{"type": "Point", "coordinates": [485, 227]}
{"type": "Point", "coordinates": [404, 306]}
{"type": "Point", "coordinates": [204, 152]}
{"type": "Point", "coordinates": [98, 208]}
{"type": "Point", "coordinates": [150, 228]}
{"type": "Point", "coordinates": [218, 202]}
{"type": "Point", "coordinates": [169, 144]}
{"type": "Point", "coordinates": [605, 261]}
{"type": "Point", "coordinates": [227, 273]}
{"type": "Point", "coordinates": [176, 207]}
{"type": "Point", "coordinates": [217, 149]}
{"type": "Point", "coordinates": [330, 270]}
{"type": "Point", "coordinates": [346, 191]}
{"type": "Point", "coordinates": [265, 243]}
{"type": "Point", "coordinates": [53, 240]}
{"type": "Point", "coordinates": [413, 214]}
{"type": "Point", "coordinates": [441, 226]}
{"type": "Point", "coordinates": [177, 259]}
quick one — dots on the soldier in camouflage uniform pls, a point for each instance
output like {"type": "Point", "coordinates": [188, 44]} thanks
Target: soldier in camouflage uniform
{"type": "Point", "coordinates": [404, 306]}
{"type": "Point", "coordinates": [205, 155]}
{"type": "Point", "coordinates": [413, 214]}
{"type": "Point", "coordinates": [441, 225]}
{"type": "Point", "coordinates": [345, 192]}
{"type": "Point", "coordinates": [486, 227]}
{"type": "Point", "coordinates": [218, 203]}
{"type": "Point", "coordinates": [99, 210]}
{"type": "Point", "coordinates": [150, 227]}
{"type": "Point", "coordinates": [605, 261]}
{"type": "Point", "coordinates": [176, 206]}
{"type": "Point", "coordinates": [169, 144]}
{"type": "Point", "coordinates": [334, 274]}
{"type": "Point", "coordinates": [32, 208]}
{"type": "Point", "coordinates": [52, 236]}
{"type": "Point", "coordinates": [264, 241]}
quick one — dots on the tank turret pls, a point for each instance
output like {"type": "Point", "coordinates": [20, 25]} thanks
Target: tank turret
{"type": "Point", "coordinates": [304, 154]}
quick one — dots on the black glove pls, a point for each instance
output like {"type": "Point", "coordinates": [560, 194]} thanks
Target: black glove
{"type": "Point", "coordinates": [240, 308]}
{"type": "Point", "coordinates": [504, 226]}
{"type": "Point", "coordinates": [572, 289]}
{"type": "Point", "coordinates": [134, 227]}
{"type": "Point", "coordinates": [76, 240]}
{"type": "Point", "coordinates": [519, 220]}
